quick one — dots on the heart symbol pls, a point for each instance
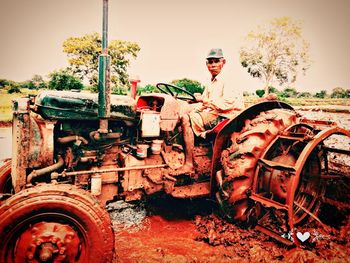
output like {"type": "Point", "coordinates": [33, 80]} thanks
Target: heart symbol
{"type": "Point", "coordinates": [303, 237]}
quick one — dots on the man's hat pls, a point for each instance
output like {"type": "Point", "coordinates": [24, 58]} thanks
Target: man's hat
{"type": "Point", "coordinates": [215, 53]}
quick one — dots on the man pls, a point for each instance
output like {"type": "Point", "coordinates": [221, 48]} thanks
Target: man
{"type": "Point", "coordinates": [219, 101]}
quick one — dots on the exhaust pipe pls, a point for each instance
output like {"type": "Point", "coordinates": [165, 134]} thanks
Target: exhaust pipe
{"type": "Point", "coordinates": [104, 89]}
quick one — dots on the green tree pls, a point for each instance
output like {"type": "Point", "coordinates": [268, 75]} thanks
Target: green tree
{"type": "Point", "coordinates": [321, 94]}
{"type": "Point", "coordinates": [39, 82]}
{"type": "Point", "coordinates": [36, 82]}
{"type": "Point", "coordinates": [63, 80]}
{"type": "Point", "coordinates": [276, 52]}
{"type": "Point", "coordinates": [191, 86]}
{"type": "Point", "coordinates": [339, 92]}
{"type": "Point", "coordinates": [83, 53]}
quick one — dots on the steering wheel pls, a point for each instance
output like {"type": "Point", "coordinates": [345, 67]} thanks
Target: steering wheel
{"type": "Point", "coordinates": [167, 89]}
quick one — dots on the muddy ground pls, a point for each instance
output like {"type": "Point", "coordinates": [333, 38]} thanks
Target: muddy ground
{"type": "Point", "coordinates": [168, 230]}
{"type": "Point", "coordinates": [163, 229]}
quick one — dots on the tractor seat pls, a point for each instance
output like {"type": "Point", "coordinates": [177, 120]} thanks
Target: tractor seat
{"type": "Point", "coordinates": [211, 134]}
{"type": "Point", "coordinates": [217, 128]}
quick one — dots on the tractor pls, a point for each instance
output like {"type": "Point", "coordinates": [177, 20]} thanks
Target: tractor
{"type": "Point", "coordinates": [74, 152]}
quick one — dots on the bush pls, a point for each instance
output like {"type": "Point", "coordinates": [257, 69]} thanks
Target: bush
{"type": "Point", "coordinates": [62, 80]}
{"type": "Point", "coordinates": [260, 92]}
{"type": "Point", "coordinates": [146, 89]}
{"type": "Point", "coordinates": [37, 82]}
{"type": "Point", "coordinates": [28, 85]}
{"type": "Point", "coordinates": [321, 95]}
{"type": "Point", "coordinates": [92, 88]}
{"type": "Point", "coordinates": [14, 88]}
{"type": "Point", "coordinates": [289, 93]}
{"type": "Point", "coordinates": [4, 83]}
{"type": "Point", "coordinates": [273, 90]}
{"type": "Point", "coordinates": [191, 86]}
{"type": "Point", "coordinates": [304, 95]}
{"type": "Point", "coordinates": [340, 93]}
{"type": "Point", "coordinates": [119, 90]}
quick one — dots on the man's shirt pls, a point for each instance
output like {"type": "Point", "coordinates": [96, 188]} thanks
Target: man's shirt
{"type": "Point", "coordinates": [221, 97]}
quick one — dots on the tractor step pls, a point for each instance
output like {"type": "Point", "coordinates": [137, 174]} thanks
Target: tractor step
{"type": "Point", "coordinates": [268, 202]}
{"type": "Point", "coordinates": [189, 191]}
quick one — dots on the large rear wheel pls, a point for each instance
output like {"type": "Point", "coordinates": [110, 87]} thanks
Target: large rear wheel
{"type": "Point", "coordinates": [239, 162]}
{"type": "Point", "coordinates": [54, 223]}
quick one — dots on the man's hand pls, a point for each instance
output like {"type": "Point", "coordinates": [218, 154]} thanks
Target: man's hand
{"type": "Point", "coordinates": [209, 104]}
{"type": "Point", "coordinates": [199, 107]}
{"type": "Point", "coordinates": [204, 105]}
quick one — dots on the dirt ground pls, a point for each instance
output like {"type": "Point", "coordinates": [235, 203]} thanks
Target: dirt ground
{"type": "Point", "coordinates": [169, 230]}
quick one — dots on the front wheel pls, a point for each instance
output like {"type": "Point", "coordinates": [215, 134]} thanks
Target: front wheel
{"type": "Point", "coordinates": [5, 178]}
{"type": "Point", "coordinates": [54, 223]}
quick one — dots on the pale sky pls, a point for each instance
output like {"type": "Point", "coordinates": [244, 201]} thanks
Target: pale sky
{"type": "Point", "coordinates": [174, 36]}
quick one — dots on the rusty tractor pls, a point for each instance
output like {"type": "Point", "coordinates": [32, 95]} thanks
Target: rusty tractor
{"type": "Point", "coordinates": [74, 152]}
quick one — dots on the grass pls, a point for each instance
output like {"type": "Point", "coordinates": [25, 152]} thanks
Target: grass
{"type": "Point", "coordinates": [304, 101]}
{"type": "Point", "coordinates": [317, 101]}
{"type": "Point", "coordinates": [6, 102]}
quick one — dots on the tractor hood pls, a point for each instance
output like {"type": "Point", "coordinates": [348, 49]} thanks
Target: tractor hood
{"type": "Point", "coordinates": [68, 105]}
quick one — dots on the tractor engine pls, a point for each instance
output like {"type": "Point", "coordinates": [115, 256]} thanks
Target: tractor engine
{"type": "Point", "coordinates": [58, 139]}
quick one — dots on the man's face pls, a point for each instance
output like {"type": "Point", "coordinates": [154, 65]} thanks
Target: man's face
{"type": "Point", "coordinates": [215, 65]}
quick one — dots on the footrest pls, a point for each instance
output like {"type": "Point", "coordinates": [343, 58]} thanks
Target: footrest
{"type": "Point", "coordinates": [268, 202]}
